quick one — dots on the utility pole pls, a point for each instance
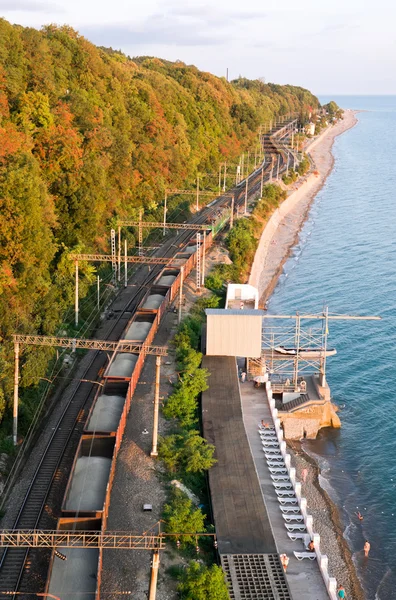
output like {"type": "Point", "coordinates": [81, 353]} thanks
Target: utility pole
{"type": "Point", "coordinates": [140, 251]}
{"type": "Point", "coordinates": [272, 168]}
{"type": "Point", "coordinates": [277, 169]}
{"type": "Point", "coordinates": [219, 179]}
{"type": "Point", "coordinates": [16, 393]}
{"type": "Point", "coordinates": [181, 294]}
{"type": "Point", "coordinates": [197, 207]}
{"type": "Point", "coordinates": [246, 194]}
{"type": "Point", "coordinates": [119, 253]}
{"type": "Point", "coordinates": [225, 176]}
{"type": "Point", "coordinates": [165, 209]}
{"type": "Point", "coordinates": [126, 263]}
{"type": "Point", "coordinates": [262, 182]}
{"type": "Point", "coordinates": [243, 166]}
{"type": "Point", "coordinates": [232, 212]}
{"type": "Point", "coordinates": [154, 451]}
{"type": "Point", "coordinates": [113, 255]}
{"type": "Point", "coordinates": [287, 164]}
{"type": "Point", "coordinates": [76, 297]}
{"type": "Point", "coordinates": [154, 575]}
{"type": "Point", "coordinates": [198, 264]}
{"type": "Point", "coordinates": [98, 289]}
{"type": "Point", "coordinates": [203, 258]}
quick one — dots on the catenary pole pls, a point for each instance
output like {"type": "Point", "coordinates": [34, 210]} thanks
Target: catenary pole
{"type": "Point", "coordinates": [154, 451]}
{"type": "Point", "coordinates": [181, 293]}
{"type": "Point", "coordinates": [126, 263]}
{"type": "Point", "coordinates": [76, 297]}
{"type": "Point", "coordinates": [16, 393]}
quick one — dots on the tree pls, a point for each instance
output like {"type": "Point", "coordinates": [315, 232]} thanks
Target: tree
{"type": "Point", "coordinates": [199, 582]}
{"type": "Point", "coordinates": [181, 516]}
{"type": "Point", "coordinates": [186, 452]}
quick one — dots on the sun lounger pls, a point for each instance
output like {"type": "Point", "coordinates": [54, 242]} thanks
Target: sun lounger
{"type": "Point", "coordinates": [283, 485]}
{"type": "Point", "coordinates": [278, 460]}
{"type": "Point", "coordinates": [278, 470]}
{"type": "Point", "coordinates": [288, 500]}
{"type": "Point", "coordinates": [270, 444]}
{"type": "Point", "coordinates": [302, 555]}
{"type": "Point", "coordinates": [272, 453]}
{"type": "Point", "coordinates": [280, 478]}
{"type": "Point", "coordinates": [294, 510]}
{"type": "Point", "coordinates": [294, 536]}
{"type": "Point", "coordinates": [293, 518]}
{"type": "Point", "coordinates": [285, 493]}
{"type": "Point", "coordinates": [268, 434]}
{"type": "Point", "coordinates": [295, 527]}
{"type": "Point", "coordinates": [261, 428]}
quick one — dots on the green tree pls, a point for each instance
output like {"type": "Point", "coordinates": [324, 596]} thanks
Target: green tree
{"type": "Point", "coordinates": [186, 452]}
{"type": "Point", "coordinates": [181, 516]}
{"type": "Point", "coordinates": [199, 582]}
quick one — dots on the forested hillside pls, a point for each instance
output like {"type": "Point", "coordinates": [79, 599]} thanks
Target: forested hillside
{"type": "Point", "coordinates": [87, 134]}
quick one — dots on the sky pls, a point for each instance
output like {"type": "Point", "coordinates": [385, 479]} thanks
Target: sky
{"type": "Point", "coordinates": [328, 46]}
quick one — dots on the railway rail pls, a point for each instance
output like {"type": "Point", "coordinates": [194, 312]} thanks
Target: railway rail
{"type": "Point", "coordinates": [13, 560]}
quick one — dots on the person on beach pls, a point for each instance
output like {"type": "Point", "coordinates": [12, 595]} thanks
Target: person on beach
{"type": "Point", "coordinates": [311, 546]}
{"type": "Point", "coordinates": [285, 561]}
{"type": "Point", "coordinates": [366, 548]}
{"type": "Point", "coordinates": [264, 424]}
{"type": "Point", "coordinates": [341, 592]}
{"type": "Point", "coordinates": [243, 377]}
{"type": "Point", "coordinates": [304, 474]}
{"type": "Point", "coordinates": [359, 516]}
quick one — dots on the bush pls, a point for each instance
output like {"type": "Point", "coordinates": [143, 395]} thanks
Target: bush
{"type": "Point", "coordinates": [181, 516]}
{"type": "Point", "coordinates": [200, 583]}
{"type": "Point", "coordinates": [186, 452]}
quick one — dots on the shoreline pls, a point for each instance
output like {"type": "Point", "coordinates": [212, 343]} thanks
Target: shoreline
{"type": "Point", "coordinates": [282, 230]}
{"type": "Point", "coordinates": [280, 235]}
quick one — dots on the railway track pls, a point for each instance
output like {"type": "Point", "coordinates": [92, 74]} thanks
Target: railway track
{"type": "Point", "coordinates": [13, 560]}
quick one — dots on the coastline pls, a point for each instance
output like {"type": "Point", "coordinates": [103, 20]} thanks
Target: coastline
{"type": "Point", "coordinates": [278, 238]}
{"type": "Point", "coordinates": [282, 230]}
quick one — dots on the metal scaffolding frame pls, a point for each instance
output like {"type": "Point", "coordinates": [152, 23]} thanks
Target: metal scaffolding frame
{"type": "Point", "coordinates": [155, 224]}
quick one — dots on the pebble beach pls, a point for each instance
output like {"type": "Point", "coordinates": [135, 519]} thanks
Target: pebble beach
{"type": "Point", "coordinates": [273, 251]}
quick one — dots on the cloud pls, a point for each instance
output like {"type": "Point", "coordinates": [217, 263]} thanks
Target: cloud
{"type": "Point", "coordinates": [28, 6]}
{"type": "Point", "coordinates": [175, 25]}
{"type": "Point", "coordinates": [158, 32]}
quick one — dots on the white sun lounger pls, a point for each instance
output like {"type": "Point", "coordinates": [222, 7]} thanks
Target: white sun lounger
{"type": "Point", "coordinates": [278, 460]}
{"type": "Point", "coordinates": [288, 500]}
{"type": "Point", "coordinates": [280, 478]}
{"type": "Point", "coordinates": [294, 536]}
{"type": "Point", "coordinates": [261, 428]}
{"type": "Point", "coordinates": [285, 493]}
{"type": "Point", "coordinates": [268, 434]}
{"type": "Point", "coordinates": [296, 527]}
{"type": "Point", "coordinates": [294, 510]}
{"type": "Point", "coordinates": [278, 469]}
{"type": "Point", "coordinates": [293, 518]}
{"type": "Point", "coordinates": [302, 555]}
{"type": "Point", "coordinates": [273, 455]}
{"type": "Point", "coordinates": [283, 485]}
{"type": "Point", "coordinates": [270, 444]}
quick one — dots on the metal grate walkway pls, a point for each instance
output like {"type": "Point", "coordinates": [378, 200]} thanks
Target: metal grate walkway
{"type": "Point", "coordinates": [255, 577]}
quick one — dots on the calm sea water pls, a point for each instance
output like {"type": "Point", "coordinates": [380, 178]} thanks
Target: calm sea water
{"type": "Point", "coordinates": [346, 258]}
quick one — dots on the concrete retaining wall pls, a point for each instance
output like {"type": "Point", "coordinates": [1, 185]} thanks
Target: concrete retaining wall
{"type": "Point", "coordinates": [330, 582]}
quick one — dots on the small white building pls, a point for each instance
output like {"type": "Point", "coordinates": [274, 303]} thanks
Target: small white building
{"type": "Point", "coordinates": [310, 129]}
{"type": "Point", "coordinates": [241, 296]}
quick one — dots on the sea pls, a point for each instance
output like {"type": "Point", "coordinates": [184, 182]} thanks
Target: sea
{"type": "Point", "coordinates": [345, 259]}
